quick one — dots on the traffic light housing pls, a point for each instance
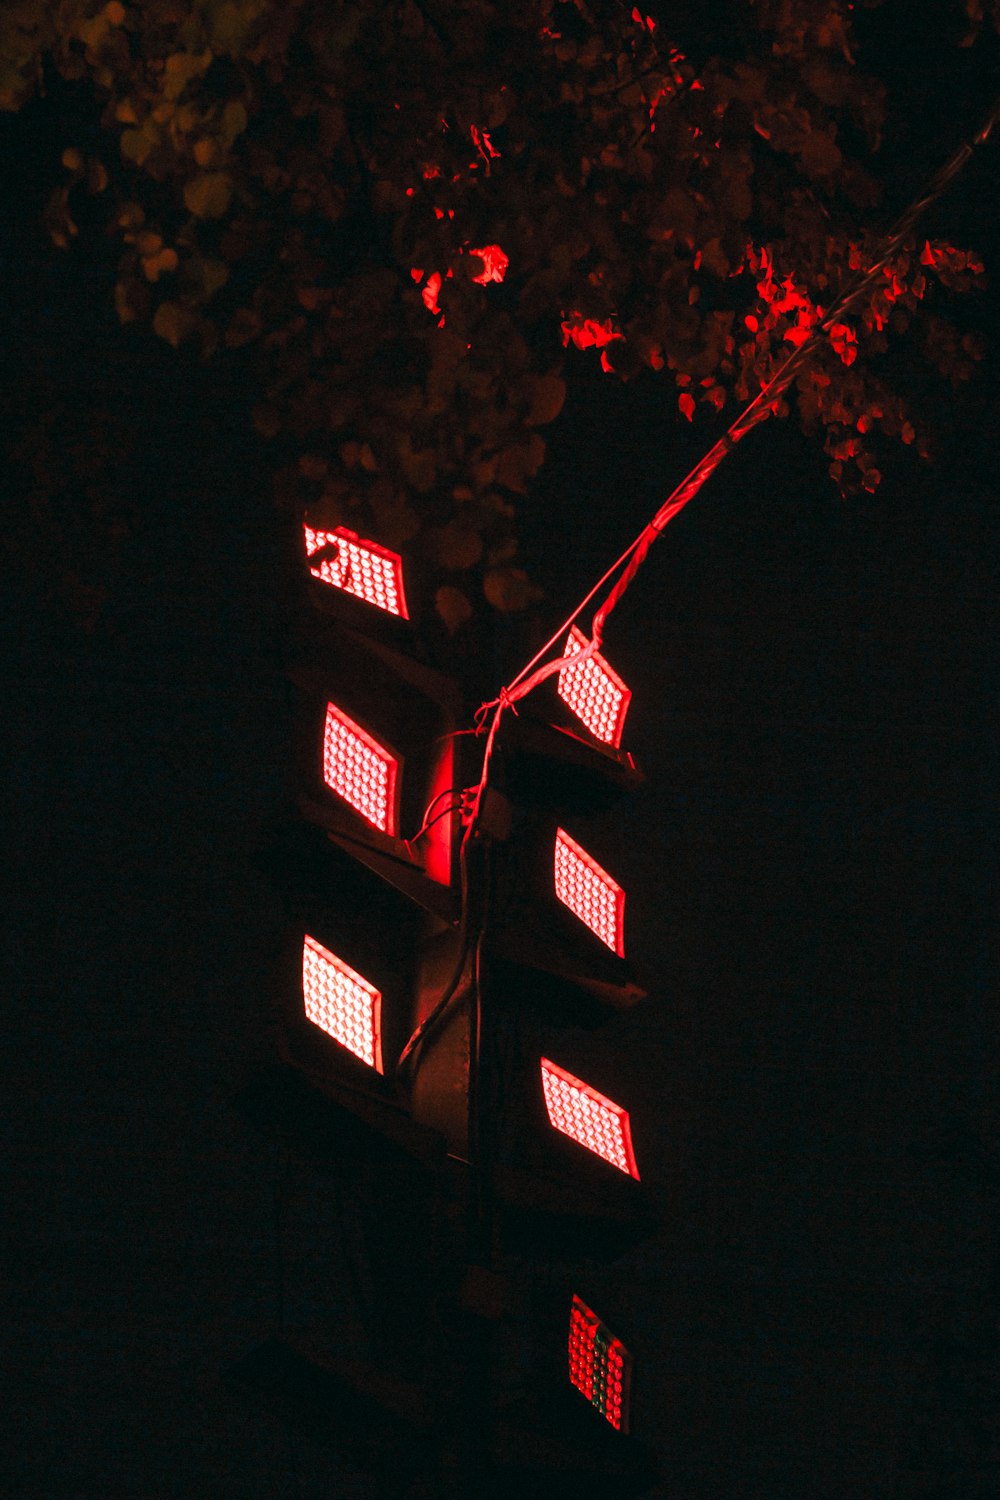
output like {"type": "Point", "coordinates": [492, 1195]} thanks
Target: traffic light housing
{"type": "Point", "coordinates": [436, 910]}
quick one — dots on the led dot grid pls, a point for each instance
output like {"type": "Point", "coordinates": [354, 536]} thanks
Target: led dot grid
{"type": "Point", "coordinates": [341, 1003]}
{"type": "Point", "coordinates": [364, 569]}
{"type": "Point", "coordinates": [594, 692]}
{"type": "Point", "coordinates": [358, 769]}
{"type": "Point", "coordinates": [590, 892]}
{"type": "Point", "coordinates": [599, 1365]}
{"type": "Point", "coordinates": [587, 1117]}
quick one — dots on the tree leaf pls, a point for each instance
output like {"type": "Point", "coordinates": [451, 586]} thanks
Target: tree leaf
{"type": "Point", "coordinates": [455, 546]}
{"type": "Point", "coordinates": [174, 322]}
{"type": "Point", "coordinates": [546, 396]}
{"type": "Point", "coordinates": [234, 121]}
{"type": "Point", "coordinates": [453, 607]}
{"type": "Point", "coordinates": [714, 258]}
{"type": "Point", "coordinates": [207, 195]}
{"type": "Point", "coordinates": [510, 589]}
{"type": "Point", "coordinates": [136, 144]}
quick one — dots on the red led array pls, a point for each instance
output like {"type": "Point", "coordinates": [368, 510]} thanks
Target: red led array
{"type": "Point", "coordinates": [590, 892]}
{"type": "Point", "coordinates": [361, 568]}
{"type": "Point", "coordinates": [599, 1365]}
{"type": "Point", "coordinates": [341, 1003]}
{"type": "Point", "coordinates": [359, 769]}
{"type": "Point", "coordinates": [594, 692]}
{"type": "Point", "coordinates": [589, 1118]}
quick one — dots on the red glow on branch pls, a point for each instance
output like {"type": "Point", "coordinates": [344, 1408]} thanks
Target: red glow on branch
{"type": "Point", "coordinates": [591, 1119]}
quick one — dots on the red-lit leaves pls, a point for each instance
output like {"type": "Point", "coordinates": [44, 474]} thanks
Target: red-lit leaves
{"type": "Point", "coordinates": [955, 268]}
{"type": "Point", "coordinates": [839, 391]}
{"type": "Point", "coordinates": [787, 308]}
{"type": "Point", "coordinates": [494, 268]}
{"type": "Point", "coordinates": [495, 264]}
{"type": "Point", "coordinates": [588, 333]}
{"type": "Point", "coordinates": [577, 141]}
{"type": "Point", "coordinates": [430, 295]}
{"type": "Point", "coordinates": [844, 341]}
{"type": "Point", "coordinates": [600, 1367]}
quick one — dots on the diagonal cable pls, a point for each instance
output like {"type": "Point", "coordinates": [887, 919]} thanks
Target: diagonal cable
{"type": "Point", "coordinates": [754, 413]}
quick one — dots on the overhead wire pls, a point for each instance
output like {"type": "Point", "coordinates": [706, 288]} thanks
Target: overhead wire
{"type": "Point", "coordinates": [754, 413]}
{"type": "Point", "coordinates": [624, 569]}
{"type": "Point", "coordinates": [439, 1013]}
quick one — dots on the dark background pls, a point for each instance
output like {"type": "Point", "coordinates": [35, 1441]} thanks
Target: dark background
{"type": "Point", "coordinates": [810, 876]}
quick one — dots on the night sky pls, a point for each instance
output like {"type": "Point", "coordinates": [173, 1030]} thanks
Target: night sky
{"type": "Point", "coordinates": [810, 871]}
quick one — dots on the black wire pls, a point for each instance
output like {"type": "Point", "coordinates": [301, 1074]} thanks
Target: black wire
{"type": "Point", "coordinates": [448, 791]}
{"type": "Point", "coordinates": [485, 1082]}
{"type": "Point", "coordinates": [455, 807]}
{"type": "Point", "coordinates": [478, 1154]}
{"type": "Point", "coordinates": [437, 1015]}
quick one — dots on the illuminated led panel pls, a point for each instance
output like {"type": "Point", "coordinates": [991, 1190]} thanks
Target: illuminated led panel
{"type": "Point", "coordinates": [361, 568]}
{"type": "Point", "coordinates": [599, 1365]}
{"type": "Point", "coordinates": [588, 1117]}
{"type": "Point", "coordinates": [590, 892]}
{"type": "Point", "coordinates": [341, 1003]}
{"type": "Point", "coordinates": [594, 692]}
{"type": "Point", "coordinates": [359, 769]}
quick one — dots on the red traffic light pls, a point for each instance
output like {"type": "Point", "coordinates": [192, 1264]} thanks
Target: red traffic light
{"type": "Point", "coordinates": [360, 770]}
{"type": "Point", "coordinates": [590, 892]}
{"type": "Point", "coordinates": [588, 1117]}
{"type": "Point", "coordinates": [594, 692]}
{"type": "Point", "coordinates": [340, 1002]}
{"type": "Point", "coordinates": [599, 1365]}
{"type": "Point", "coordinates": [368, 571]}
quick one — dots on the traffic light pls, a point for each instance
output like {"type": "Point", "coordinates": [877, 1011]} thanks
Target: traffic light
{"type": "Point", "coordinates": [554, 964]}
{"type": "Point", "coordinates": [600, 1367]}
{"type": "Point", "coordinates": [454, 927]}
{"type": "Point", "coordinates": [374, 892]}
